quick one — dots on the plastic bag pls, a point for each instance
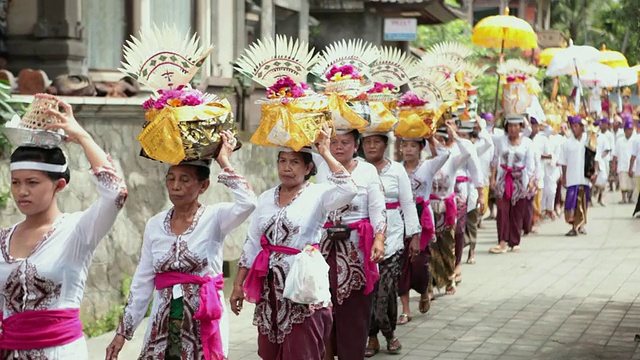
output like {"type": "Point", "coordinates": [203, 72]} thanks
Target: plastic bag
{"type": "Point", "coordinates": [308, 278]}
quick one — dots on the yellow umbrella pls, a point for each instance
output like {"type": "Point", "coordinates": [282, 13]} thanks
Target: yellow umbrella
{"type": "Point", "coordinates": [504, 32]}
{"type": "Point", "coordinates": [546, 55]}
{"type": "Point", "coordinates": [612, 58]}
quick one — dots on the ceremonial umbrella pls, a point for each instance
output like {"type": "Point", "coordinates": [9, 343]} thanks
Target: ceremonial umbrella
{"type": "Point", "coordinates": [568, 61]}
{"type": "Point", "coordinates": [504, 32]}
{"type": "Point", "coordinates": [546, 55]}
{"type": "Point", "coordinates": [626, 76]}
{"type": "Point", "coordinates": [612, 58]}
{"type": "Point", "coordinates": [597, 75]}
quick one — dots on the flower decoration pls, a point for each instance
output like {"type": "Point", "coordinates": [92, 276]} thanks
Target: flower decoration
{"type": "Point", "coordinates": [345, 72]}
{"type": "Point", "coordinates": [286, 88]}
{"type": "Point", "coordinates": [411, 99]}
{"type": "Point", "coordinates": [380, 88]}
{"type": "Point", "coordinates": [181, 96]}
{"type": "Point", "coordinates": [520, 78]}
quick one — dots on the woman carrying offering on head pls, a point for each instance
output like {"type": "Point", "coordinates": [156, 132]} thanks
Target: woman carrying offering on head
{"type": "Point", "coordinates": [512, 177]}
{"type": "Point", "coordinates": [181, 266]}
{"type": "Point", "coordinates": [288, 221]}
{"type": "Point", "coordinates": [402, 221]}
{"type": "Point", "coordinates": [353, 258]}
{"type": "Point", "coordinates": [416, 272]}
{"type": "Point", "coordinates": [46, 257]}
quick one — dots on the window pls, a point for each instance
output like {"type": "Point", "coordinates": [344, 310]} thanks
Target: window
{"type": "Point", "coordinates": [106, 29]}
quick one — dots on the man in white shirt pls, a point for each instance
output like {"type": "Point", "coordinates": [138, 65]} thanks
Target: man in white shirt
{"type": "Point", "coordinates": [621, 161]}
{"type": "Point", "coordinates": [605, 149]}
{"type": "Point", "coordinates": [495, 132]}
{"type": "Point", "coordinates": [539, 145]}
{"type": "Point", "coordinates": [616, 132]}
{"type": "Point", "coordinates": [634, 166]}
{"type": "Point", "coordinates": [573, 159]}
{"type": "Point", "coordinates": [551, 172]}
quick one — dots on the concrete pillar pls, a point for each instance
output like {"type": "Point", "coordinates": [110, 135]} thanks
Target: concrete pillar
{"type": "Point", "coordinates": [303, 22]}
{"type": "Point", "coordinates": [241, 28]}
{"type": "Point", "coordinates": [224, 22]}
{"type": "Point", "coordinates": [267, 19]}
{"type": "Point", "coordinates": [56, 43]}
{"type": "Point", "coordinates": [522, 9]}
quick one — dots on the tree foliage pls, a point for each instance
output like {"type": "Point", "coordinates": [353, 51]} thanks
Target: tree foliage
{"type": "Point", "coordinates": [615, 23]}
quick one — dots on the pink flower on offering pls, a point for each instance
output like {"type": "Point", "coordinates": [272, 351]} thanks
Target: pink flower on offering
{"type": "Point", "coordinates": [379, 88]}
{"type": "Point", "coordinates": [345, 72]}
{"type": "Point", "coordinates": [286, 87]}
{"type": "Point", "coordinates": [411, 99]}
{"type": "Point", "coordinates": [176, 97]}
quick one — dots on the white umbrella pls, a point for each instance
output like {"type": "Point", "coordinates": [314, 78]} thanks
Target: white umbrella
{"type": "Point", "coordinates": [596, 75]}
{"type": "Point", "coordinates": [565, 61]}
{"type": "Point", "coordinates": [626, 76]}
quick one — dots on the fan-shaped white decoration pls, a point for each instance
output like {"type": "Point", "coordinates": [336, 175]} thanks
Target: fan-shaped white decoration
{"type": "Point", "coordinates": [268, 61]}
{"type": "Point", "coordinates": [432, 86]}
{"type": "Point", "coordinates": [357, 53]}
{"type": "Point", "coordinates": [446, 64]}
{"type": "Point", "coordinates": [163, 58]}
{"type": "Point", "coordinates": [517, 67]}
{"type": "Point", "coordinates": [471, 71]}
{"type": "Point", "coordinates": [453, 48]}
{"type": "Point", "coordinates": [392, 67]}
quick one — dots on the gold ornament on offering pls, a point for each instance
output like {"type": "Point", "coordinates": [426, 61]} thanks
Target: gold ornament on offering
{"type": "Point", "coordinates": [344, 67]}
{"type": "Point", "coordinates": [416, 122]}
{"type": "Point", "coordinates": [292, 114]}
{"type": "Point", "coordinates": [183, 124]}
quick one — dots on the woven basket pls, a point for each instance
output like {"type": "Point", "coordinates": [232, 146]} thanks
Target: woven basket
{"type": "Point", "coordinates": [35, 117]}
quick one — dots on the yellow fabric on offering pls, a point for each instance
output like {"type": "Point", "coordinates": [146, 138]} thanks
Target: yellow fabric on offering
{"type": "Point", "coordinates": [382, 119]}
{"type": "Point", "coordinates": [344, 117]}
{"type": "Point", "coordinates": [172, 135]}
{"type": "Point", "coordinates": [295, 124]}
{"type": "Point", "coordinates": [415, 123]}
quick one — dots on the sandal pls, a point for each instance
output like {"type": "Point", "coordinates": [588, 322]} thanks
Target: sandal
{"type": "Point", "coordinates": [394, 346]}
{"type": "Point", "coordinates": [425, 303]}
{"type": "Point", "coordinates": [451, 290]}
{"type": "Point", "coordinates": [403, 319]}
{"type": "Point", "coordinates": [572, 232]}
{"type": "Point", "coordinates": [373, 347]}
{"type": "Point", "coordinates": [498, 250]}
{"type": "Point", "coordinates": [458, 279]}
{"type": "Point", "coordinates": [515, 249]}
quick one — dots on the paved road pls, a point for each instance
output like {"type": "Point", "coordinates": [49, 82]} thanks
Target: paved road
{"type": "Point", "coordinates": [560, 298]}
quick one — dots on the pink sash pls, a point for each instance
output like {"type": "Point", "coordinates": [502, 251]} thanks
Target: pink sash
{"type": "Point", "coordinates": [462, 179]}
{"type": "Point", "coordinates": [365, 231]}
{"type": "Point", "coordinates": [450, 209]}
{"type": "Point", "coordinates": [39, 329]}
{"type": "Point", "coordinates": [253, 283]}
{"type": "Point", "coordinates": [508, 180]}
{"type": "Point", "coordinates": [426, 221]}
{"type": "Point", "coordinates": [393, 205]}
{"type": "Point", "coordinates": [209, 311]}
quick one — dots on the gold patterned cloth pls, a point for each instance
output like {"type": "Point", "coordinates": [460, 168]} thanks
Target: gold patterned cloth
{"type": "Point", "coordinates": [416, 122]}
{"type": "Point", "coordinates": [175, 134]}
{"type": "Point", "coordinates": [295, 124]}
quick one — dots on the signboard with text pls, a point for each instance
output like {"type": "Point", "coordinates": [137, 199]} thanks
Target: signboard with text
{"type": "Point", "coordinates": [400, 29]}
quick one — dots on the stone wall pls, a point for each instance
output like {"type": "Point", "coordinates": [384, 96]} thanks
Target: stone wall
{"type": "Point", "coordinates": [115, 123]}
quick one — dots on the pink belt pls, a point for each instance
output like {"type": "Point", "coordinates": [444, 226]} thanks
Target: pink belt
{"type": "Point", "coordinates": [508, 180]}
{"type": "Point", "coordinates": [39, 329]}
{"type": "Point", "coordinates": [253, 284]}
{"type": "Point", "coordinates": [450, 209]}
{"type": "Point", "coordinates": [209, 311]}
{"type": "Point", "coordinates": [365, 231]}
{"type": "Point", "coordinates": [393, 205]}
{"type": "Point", "coordinates": [426, 221]}
{"type": "Point", "coordinates": [462, 179]}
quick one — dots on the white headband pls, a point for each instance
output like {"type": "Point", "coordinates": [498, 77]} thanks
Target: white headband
{"type": "Point", "coordinates": [40, 166]}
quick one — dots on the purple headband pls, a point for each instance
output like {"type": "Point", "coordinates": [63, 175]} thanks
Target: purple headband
{"type": "Point", "coordinates": [604, 120]}
{"type": "Point", "coordinates": [576, 119]}
{"type": "Point", "coordinates": [598, 122]}
{"type": "Point", "coordinates": [628, 124]}
{"type": "Point", "coordinates": [533, 120]}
